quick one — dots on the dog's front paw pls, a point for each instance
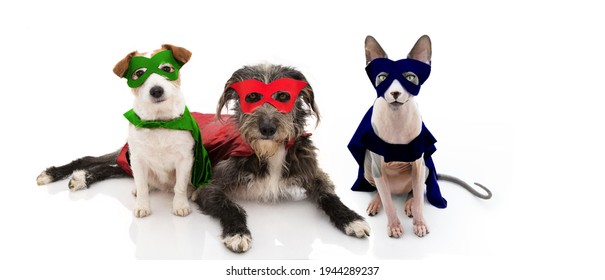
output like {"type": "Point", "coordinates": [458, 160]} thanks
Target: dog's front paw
{"type": "Point", "coordinates": [78, 181]}
{"type": "Point", "coordinates": [181, 211]}
{"type": "Point", "coordinates": [44, 178]}
{"type": "Point", "coordinates": [180, 206]}
{"type": "Point", "coordinates": [395, 229]}
{"type": "Point", "coordinates": [358, 228]}
{"type": "Point", "coordinates": [420, 227]}
{"type": "Point", "coordinates": [141, 212]}
{"type": "Point", "coordinates": [238, 243]}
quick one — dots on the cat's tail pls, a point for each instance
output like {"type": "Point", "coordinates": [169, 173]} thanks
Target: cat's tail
{"type": "Point", "coordinates": [468, 187]}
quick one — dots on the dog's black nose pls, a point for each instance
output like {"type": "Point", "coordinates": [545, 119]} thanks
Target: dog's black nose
{"type": "Point", "coordinates": [395, 94]}
{"type": "Point", "coordinates": [267, 128]}
{"type": "Point", "coordinates": [156, 91]}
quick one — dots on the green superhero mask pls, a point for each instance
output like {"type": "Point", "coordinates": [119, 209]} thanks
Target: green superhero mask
{"type": "Point", "coordinates": [201, 171]}
{"type": "Point", "coordinates": [150, 66]}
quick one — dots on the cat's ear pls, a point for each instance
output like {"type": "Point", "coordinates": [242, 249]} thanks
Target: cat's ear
{"type": "Point", "coordinates": [373, 49]}
{"type": "Point", "coordinates": [422, 50]}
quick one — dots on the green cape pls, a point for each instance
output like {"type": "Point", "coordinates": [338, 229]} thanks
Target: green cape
{"type": "Point", "coordinates": [201, 171]}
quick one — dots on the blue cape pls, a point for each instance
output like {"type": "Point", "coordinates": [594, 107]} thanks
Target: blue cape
{"type": "Point", "coordinates": [365, 139]}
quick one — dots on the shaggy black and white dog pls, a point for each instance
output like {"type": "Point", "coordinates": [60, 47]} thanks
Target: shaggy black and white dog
{"type": "Point", "coordinates": [284, 164]}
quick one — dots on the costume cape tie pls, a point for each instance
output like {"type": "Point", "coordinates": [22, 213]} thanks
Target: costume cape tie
{"type": "Point", "coordinates": [201, 171]}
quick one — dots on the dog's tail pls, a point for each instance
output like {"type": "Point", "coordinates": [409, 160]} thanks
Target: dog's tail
{"type": "Point", "coordinates": [468, 187]}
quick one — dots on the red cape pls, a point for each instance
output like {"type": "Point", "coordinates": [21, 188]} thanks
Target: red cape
{"type": "Point", "coordinates": [221, 139]}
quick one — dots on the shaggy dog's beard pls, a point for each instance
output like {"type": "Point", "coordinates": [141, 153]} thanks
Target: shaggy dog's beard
{"type": "Point", "coordinates": [265, 148]}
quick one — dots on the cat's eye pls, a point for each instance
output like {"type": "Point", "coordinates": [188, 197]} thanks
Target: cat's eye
{"type": "Point", "coordinates": [167, 68]}
{"type": "Point", "coordinates": [137, 74]}
{"type": "Point", "coordinates": [282, 96]}
{"type": "Point", "coordinates": [381, 77]}
{"type": "Point", "coordinates": [253, 97]}
{"type": "Point", "coordinates": [411, 77]}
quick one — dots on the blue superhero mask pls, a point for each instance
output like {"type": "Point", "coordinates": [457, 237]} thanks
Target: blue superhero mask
{"type": "Point", "coordinates": [410, 73]}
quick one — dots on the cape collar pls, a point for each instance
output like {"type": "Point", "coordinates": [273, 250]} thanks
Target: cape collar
{"type": "Point", "coordinates": [181, 123]}
{"type": "Point", "coordinates": [423, 144]}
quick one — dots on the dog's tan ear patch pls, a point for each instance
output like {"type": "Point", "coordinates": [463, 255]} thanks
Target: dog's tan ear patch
{"type": "Point", "coordinates": [122, 65]}
{"type": "Point", "coordinates": [373, 49]}
{"type": "Point", "coordinates": [181, 54]}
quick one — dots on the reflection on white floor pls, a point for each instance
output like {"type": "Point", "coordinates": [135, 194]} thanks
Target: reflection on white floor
{"type": "Point", "coordinates": [287, 230]}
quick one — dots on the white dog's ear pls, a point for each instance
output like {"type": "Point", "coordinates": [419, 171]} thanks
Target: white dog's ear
{"type": "Point", "coordinates": [122, 65]}
{"type": "Point", "coordinates": [373, 49]}
{"type": "Point", "coordinates": [181, 54]}
{"type": "Point", "coordinates": [422, 50]}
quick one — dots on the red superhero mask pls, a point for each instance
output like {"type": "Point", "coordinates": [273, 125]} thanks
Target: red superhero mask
{"type": "Point", "coordinates": [281, 93]}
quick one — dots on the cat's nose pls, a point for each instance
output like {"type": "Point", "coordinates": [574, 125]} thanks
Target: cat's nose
{"type": "Point", "coordinates": [395, 94]}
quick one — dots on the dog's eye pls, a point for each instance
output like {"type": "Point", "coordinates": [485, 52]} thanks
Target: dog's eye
{"type": "Point", "coordinates": [137, 74]}
{"type": "Point", "coordinates": [282, 96]}
{"type": "Point", "coordinates": [411, 77]}
{"type": "Point", "coordinates": [167, 68]}
{"type": "Point", "coordinates": [253, 97]}
{"type": "Point", "coordinates": [381, 77]}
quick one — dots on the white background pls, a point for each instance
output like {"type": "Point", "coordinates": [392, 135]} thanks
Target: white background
{"type": "Point", "coordinates": [514, 99]}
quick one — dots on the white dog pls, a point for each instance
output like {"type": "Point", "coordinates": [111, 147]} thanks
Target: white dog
{"type": "Point", "coordinates": [160, 158]}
